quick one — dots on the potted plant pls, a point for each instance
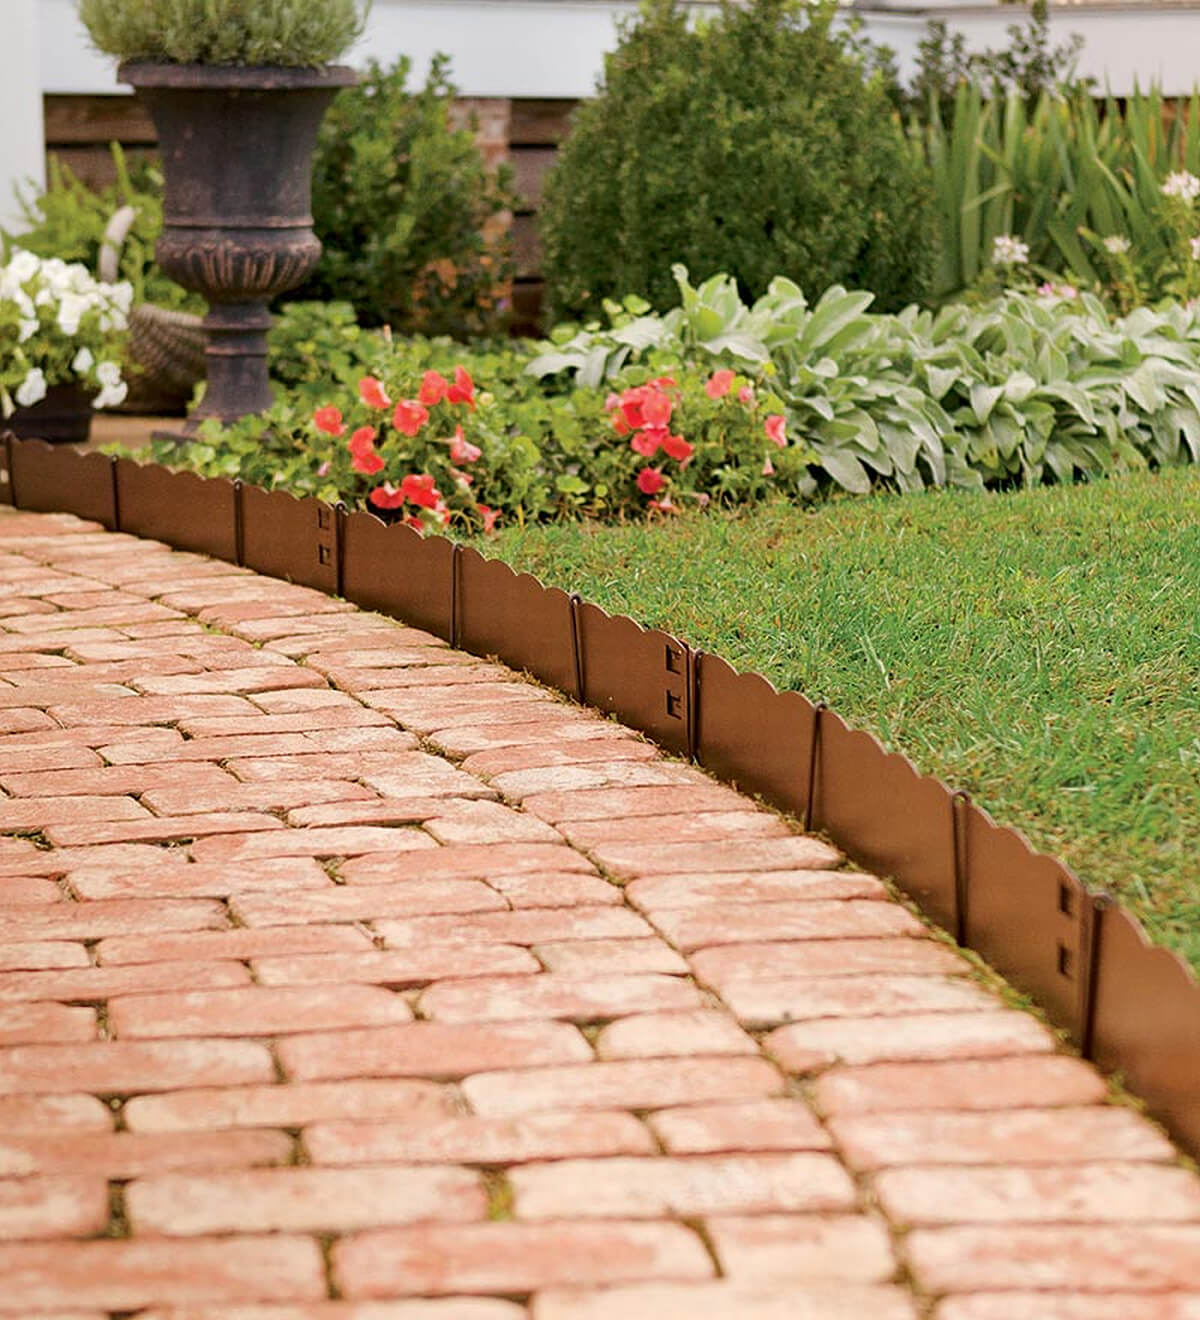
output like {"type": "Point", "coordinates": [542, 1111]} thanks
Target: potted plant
{"type": "Point", "coordinates": [236, 92]}
{"type": "Point", "coordinates": [61, 330]}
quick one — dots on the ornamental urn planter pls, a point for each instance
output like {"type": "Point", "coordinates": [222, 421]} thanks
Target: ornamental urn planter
{"type": "Point", "coordinates": [236, 146]}
{"type": "Point", "coordinates": [63, 417]}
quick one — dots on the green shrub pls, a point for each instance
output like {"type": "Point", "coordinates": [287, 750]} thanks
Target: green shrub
{"type": "Point", "coordinates": [293, 33]}
{"type": "Point", "coordinates": [68, 220]}
{"type": "Point", "coordinates": [406, 209]}
{"type": "Point", "coordinates": [757, 144]}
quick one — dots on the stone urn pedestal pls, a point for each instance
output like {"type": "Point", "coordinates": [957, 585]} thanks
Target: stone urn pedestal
{"type": "Point", "coordinates": [236, 146]}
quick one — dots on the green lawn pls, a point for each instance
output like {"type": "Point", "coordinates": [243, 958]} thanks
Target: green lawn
{"type": "Point", "coordinates": [1040, 649]}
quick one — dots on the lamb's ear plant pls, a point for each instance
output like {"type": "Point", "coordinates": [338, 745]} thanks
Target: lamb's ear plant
{"type": "Point", "coordinates": [287, 33]}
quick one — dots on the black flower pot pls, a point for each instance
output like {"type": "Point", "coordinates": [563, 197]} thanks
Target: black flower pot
{"type": "Point", "coordinates": [236, 146]}
{"type": "Point", "coordinates": [64, 416]}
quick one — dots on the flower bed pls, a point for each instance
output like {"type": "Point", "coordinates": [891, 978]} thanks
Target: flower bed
{"type": "Point", "coordinates": [718, 402]}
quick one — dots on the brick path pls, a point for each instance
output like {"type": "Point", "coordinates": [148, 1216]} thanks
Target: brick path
{"type": "Point", "coordinates": [346, 977]}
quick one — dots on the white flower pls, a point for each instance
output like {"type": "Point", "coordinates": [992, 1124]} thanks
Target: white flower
{"type": "Point", "coordinates": [1009, 251]}
{"type": "Point", "coordinates": [111, 395]}
{"type": "Point", "coordinates": [23, 266]}
{"type": "Point", "coordinates": [108, 374]}
{"type": "Point", "coordinates": [1182, 184]}
{"type": "Point", "coordinates": [32, 389]}
{"type": "Point", "coordinates": [82, 362]}
{"type": "Point", "coordinates": [26, 329]}
{"type": "Point", "coordinates": [1116, 244]}
{"type": "Point", "coordinates": [1194, 244]}
{"type": "Point", "coordinates": [71, 311]}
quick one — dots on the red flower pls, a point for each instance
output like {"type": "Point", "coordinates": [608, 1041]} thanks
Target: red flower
{"type": "Point", "coordinates": [647, 442]}
{"type": "Point", "coordinates": [410, 416]}
{"type": "Point", "coordinates": [463, 389]}
{"type": "Point", "coordinates": [386, 496]}
{"type": "Point", "coordinates": [363, 440]}
{"type": "Point", "coordinates": [631, 408]}
{"type": "Point", "coordinates": [650, 481]}
{"type": "Point", "coordinates": [372, 393]}
{"type": "Point", "coordinates": [489, 517]}
{"type": "Point", "coordinates": [367, 461]}
{"type": "Point", "coordinates": [619, 424]}
{"type": "Point", "coordinates": [329, 420]}
{"type": "Point", "coordinates": [719, 384]}
{"type": "Point", "coordinates": [433, 388]}
{"type": "Point", "coordinates": [420, 490]}
{"type": "Point", "coordinates": [461, 449]}
{"type": "Point", "coordinates": [677, 447]}
{"type": "Point", "coordinates": [776, 428]}
{"type": "Point", "coordinates": [664, 382]}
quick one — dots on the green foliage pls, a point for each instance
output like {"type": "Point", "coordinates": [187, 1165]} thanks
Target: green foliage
{"type": "Point", "coordinates": [408, 213]}
{"type": "Point", "coordinates": [778, 397]}
{"type": "Point", "coordinates": [68, 221]}
{"type": "Point", "coordinates": [1038, 649]}
{"type": "Point", "coordinates": [292, 33]}
{"type": "Point", "coordinates": [1063, 176]}
{"type": "Point", "coordinates": [758, 144]}
{"type": "Point", "coordinates": [1023, 389]}
{"type": "Point", "coordinates": [1029, 65]}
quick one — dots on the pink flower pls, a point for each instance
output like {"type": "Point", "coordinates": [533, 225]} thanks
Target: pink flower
{"type": "Point", "coordinates": [463, 389]}
{"type": "Point", "coordinates": [656, 407]}
{"type": "Point", "coordinates": [776, 428]}
{"type": "Point", "coordinates": [662, 506]}
{"type": "Point", "coordinates": [329, 420]}
{"type": "Point", "coordinates": [372, 393]}
{"type": "Point", "coordinates": [719, 384]}
{"type": "Point", "coordinates": [647, 442]}
{"type": "Point", "coordinates": [323, 470]}
{"type": "Point", "coordinates": [410, 416]}
{"type": "Point", "coordinates": [433, 389]}
{"type": "Point", "coordinates": [746, 395]}
{"type": "Point", "coordinates": [768, 467]}
{"type": "Point", "coordinates": [650, 481]}
{"type": "Point", "coordinates": [678, 448]}
{"type": "Point", "coordinates": [461, 449]}
{"type": "Point", "coordinates": [489, 517]}
{"type": "Point", "coordinates": [613, 401]}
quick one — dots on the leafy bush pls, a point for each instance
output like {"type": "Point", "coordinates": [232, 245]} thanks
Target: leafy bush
{"type": "Point", "coordinates": [68, 221]}
{"type": "Point", "coordinates": [281, 32]}
{"type": "Point", "coordinates": [407, 211]}
{"type": "Point", "coordinates": [756, 144]}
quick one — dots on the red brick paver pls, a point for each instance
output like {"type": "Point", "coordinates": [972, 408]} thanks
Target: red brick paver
{"type": "Point", "coordinates": [347, 977]}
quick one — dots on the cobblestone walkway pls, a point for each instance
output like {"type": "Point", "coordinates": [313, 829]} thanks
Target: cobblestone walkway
{"type": "Point", "coordinates": [344, 976]}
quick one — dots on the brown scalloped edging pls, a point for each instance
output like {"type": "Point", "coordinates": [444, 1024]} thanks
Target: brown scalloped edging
{"type": "Point", "coordinates": [1132, 1007]}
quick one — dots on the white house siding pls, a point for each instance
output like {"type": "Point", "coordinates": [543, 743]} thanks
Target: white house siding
{"type": "Point", "coordinates": [549, 49]}
{"type": "Point", "coordinates": [20, 105]}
